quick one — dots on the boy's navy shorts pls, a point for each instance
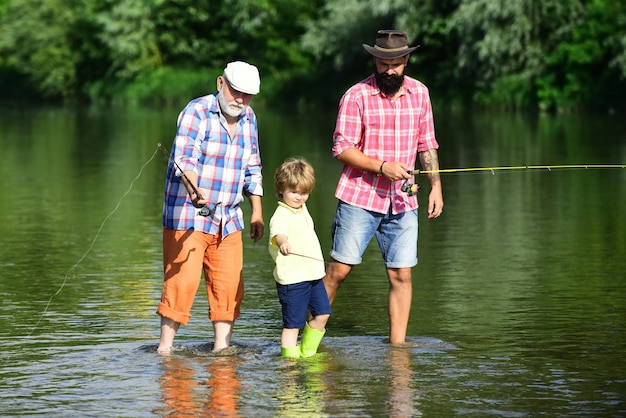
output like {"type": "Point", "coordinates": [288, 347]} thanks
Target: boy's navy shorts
{"type": "Point", "coordinates": [298, 298]}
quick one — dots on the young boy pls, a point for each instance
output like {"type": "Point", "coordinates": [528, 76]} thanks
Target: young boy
{"type": "Point", "coordinates": [299, 270]}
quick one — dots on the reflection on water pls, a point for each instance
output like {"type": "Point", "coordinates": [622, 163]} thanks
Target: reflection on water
{"type": "Point", "coordinates": [402, 402]}
{"type": "Point", "coordinates": [379, 378]}
{"type": "Point", "coordinates": [185, 391]}
{"type": "Point", "coordinates": [303, 388]}
{"type": "Point", "coordinates": [179, 386]}
{"type": "Point", "coordinates": [518, 305]}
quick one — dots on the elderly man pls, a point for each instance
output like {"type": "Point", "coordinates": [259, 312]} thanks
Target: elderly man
{"type": "Point", "coordinates": [214, 163]}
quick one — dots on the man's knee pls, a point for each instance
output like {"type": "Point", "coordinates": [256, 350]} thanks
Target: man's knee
{"type": "Point", "coordinates": [400, 277]}
{"type": "Point", "coordinates": [337, 272]}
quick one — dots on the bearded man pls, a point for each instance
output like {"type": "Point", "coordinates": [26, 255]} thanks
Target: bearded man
{"type": "Point", "coordinates": [214, 162]}
{"type": "Point", "coordinates": [384, 124]}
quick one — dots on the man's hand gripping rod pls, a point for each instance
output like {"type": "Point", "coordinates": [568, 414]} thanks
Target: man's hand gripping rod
{"type": "Point", "coordinates": [205, 210]}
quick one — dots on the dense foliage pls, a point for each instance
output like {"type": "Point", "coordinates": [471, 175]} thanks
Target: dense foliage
{"type": "Point", "coordinates": [548, 54]}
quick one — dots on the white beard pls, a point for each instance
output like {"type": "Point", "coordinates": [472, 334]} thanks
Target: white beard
{"type": "Point", "coordinates": [232, 109]}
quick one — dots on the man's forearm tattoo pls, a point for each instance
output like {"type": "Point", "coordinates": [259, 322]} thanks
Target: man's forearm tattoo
{"type": "Point", "coordinates": [430, 162]}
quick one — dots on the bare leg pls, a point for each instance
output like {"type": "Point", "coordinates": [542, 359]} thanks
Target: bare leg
{"type": "Point", "coordinates": [223, 331]}
{"type": "Point", "coordinates": [289, 337]}
{"type": "Point", "coordinates": [169, 328]}
{"type": "Point", "coordinates": [336, 273]}
{"type": "Point", "coordinates": [319, 322]}
{"type": "Point", "coordinates": [400, 295]}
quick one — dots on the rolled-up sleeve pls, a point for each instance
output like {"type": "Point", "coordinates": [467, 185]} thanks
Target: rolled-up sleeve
{"type": "Point", "coordinates": [349, 127]}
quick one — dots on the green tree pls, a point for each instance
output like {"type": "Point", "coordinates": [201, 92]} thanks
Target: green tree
{"type": "Point", "coordinates": [526, 52]}
{"type": "Point", "coordinates": [129, 32]}
{"type": "Point", "coordinates": [500, 52]}
{"type": "Point", "coordinates": [497, 53]}
{"type": "Point", "coordinates": [178, 43]}
{"type": "Point", "coordinates": [508, 53]}
{"type": "Point", "coordinates": [52, 41]}
{"type": "Point", "coordinates": [336, 36]}
{"type": "Point", "coordinates": [584, 58]}
{"type": "Point", "coordinates": [334, 40]}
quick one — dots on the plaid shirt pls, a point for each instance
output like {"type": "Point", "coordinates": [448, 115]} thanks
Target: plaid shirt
{"type": "Point", "coordinates": [227, 168]}
{"type": "Point", "coordinates": [386, 130]}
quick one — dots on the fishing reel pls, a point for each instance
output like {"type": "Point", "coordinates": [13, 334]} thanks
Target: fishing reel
{"type": "Point", "coordinates": [207, 210]}
{"type": "Point", "coordinates": [411, 189]}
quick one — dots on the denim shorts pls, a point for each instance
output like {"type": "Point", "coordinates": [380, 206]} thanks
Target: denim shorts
{"type": "Point", "coordinates": [354, 227]}
{"type": "Point", "coordinates": [297, 298]}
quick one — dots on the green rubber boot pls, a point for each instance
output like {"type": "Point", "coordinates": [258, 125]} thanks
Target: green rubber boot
{"type": "Point", "coordinates": [311, 339]}
{"type": "Point", "coordinates": [290, 352]}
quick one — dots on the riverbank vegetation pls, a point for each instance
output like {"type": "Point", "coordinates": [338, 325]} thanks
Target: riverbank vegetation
{"type": "Point", "coordinates": [509, 54]}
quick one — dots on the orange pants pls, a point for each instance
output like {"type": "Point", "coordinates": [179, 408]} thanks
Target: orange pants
{"type": "Point", "coordinates": [185, 255]}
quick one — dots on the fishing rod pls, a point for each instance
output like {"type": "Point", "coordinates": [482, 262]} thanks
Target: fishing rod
{"type": "Point", "coordinates": [518, 167]}
{"type": "Point", "coordinates": [413, 188]}
{"type": "Point", "coordinates": [205, 210]}
{"type": "Point", "coordinates": [307, 256]}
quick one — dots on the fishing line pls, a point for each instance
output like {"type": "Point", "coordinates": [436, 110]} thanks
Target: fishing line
{"type": "Point", "coordinates": [93, 242]}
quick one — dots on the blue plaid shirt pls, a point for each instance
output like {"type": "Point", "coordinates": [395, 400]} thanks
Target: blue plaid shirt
{"type": "Point", "coordinates": [227, 168]}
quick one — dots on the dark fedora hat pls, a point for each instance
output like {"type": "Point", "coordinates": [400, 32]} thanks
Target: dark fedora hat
{"type": "Point", "coordinates": [390, 44]}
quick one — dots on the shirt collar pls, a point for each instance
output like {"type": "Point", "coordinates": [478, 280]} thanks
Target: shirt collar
{"type": "Point", "coordinates": [292, 210]}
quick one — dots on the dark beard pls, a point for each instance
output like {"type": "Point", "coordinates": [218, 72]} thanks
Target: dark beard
{"type": "Point", "coordinates": [389, 84]}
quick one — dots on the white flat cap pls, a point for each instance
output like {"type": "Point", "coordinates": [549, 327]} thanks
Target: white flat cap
{"type": "Point", "coordinates": [243, 77]}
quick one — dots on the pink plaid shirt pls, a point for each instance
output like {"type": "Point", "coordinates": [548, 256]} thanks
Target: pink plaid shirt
{"type": "Point", "coordinates": [389, 131]}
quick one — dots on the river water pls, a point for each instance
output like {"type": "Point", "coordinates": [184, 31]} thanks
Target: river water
{"type": "Point", "coordinates": [519, 297]}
